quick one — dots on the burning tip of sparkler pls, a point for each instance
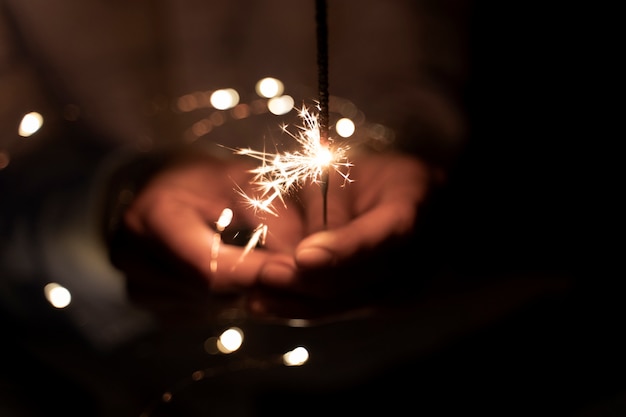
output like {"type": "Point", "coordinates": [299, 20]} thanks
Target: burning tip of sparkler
{"type": "Point", "coordinates": [281, 173]}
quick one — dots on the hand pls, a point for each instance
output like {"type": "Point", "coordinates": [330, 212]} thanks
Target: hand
{"type": "Point", "coordinates": [369, 221]}
{"type": "Point", "coordinates": [302, 259]}
{"type": "Point", "coordinates": [174, 215]}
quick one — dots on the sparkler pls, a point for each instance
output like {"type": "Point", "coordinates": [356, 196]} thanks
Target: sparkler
{"type": "Point", "coordinates": [281, 173]}
{"type": "Point", "coordinates": [322, 67]}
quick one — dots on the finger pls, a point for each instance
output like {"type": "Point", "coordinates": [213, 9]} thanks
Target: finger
{"type": "Point", "coordinates": [325, 211]}
{"type": "Point", "coordinates": [375, 227]}
{"type": "Point", "coordinates": [149, 210]}
{"type": "Point", "coordinates": [234, 267]}
{"type": "Point", "coordinates": [184, 231]}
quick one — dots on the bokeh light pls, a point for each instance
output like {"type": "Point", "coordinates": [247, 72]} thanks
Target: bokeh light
{"type": "Point", "coordinates": [57, 295]}
{"type": "Point", "coordinates": [269, 87]}
{"type": "Point", "coordinates": [226, 98]}
{"type": "Point", "coordinates": [345, 127]}
{"type": "Point", "coordinates": [280, 105]}
{"type": "Point", "coordinates": [230, 340]}
{"type": "Point", "coordinates": [297, 357]}
{"type": "Point", "coordinates": [30, 124]}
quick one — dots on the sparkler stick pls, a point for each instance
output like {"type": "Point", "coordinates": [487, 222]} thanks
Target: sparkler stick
{"type": "Point", "coordinates": [322, 71]}
{"type": "Point", "coordinates": [279, 173]}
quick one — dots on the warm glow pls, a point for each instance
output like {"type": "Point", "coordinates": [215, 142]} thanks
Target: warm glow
{"type": "Point", "coordinates": [57, 295]}
{"type": "Point", "coordinates": [280, 173]}
{"type": "Point", "coordinates": [324, 157]}
{"type": "Point", "coordinates": [225, 99]}
{"type": "Point", "coordinates": [280, 105]}
{"type": "Point", "coordinates": [30, 124]}
{"type": "Point", "coordinates": [269, 87]}
{"type": "Point", "coordinates": [297, 357]}
{"type": "Point", "coordinates": [230, 340]}
{"type": "Point", "coordinates": [344, 127]}
{"type": "Point", "coordinates": [225, 218]}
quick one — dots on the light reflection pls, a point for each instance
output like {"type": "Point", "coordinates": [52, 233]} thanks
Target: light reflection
{"type": "Point", "coordinates": [57, 295]}
{"type": "Point", "coordinates": [30, 124]}
{"type": "Point", "coordinates": [226, 98]}
{"type": "Point", "coordinates": [297, 357]}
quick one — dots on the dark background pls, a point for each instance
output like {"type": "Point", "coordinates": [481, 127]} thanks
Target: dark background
{"type": "Point", "coordinates": [522, 312]}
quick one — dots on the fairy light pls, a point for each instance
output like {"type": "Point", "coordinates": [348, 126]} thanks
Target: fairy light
{"type": "Point", "coordinates": [30, 124]}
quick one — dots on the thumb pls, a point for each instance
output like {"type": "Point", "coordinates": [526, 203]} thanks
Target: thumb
{"type": "Point", "coordinates": [371, 230]}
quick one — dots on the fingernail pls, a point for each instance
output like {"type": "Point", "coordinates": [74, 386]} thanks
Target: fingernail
{"type": "Point", "coordinates": [313, 257]}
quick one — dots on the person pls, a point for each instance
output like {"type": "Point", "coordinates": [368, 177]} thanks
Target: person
{"type": "Point", "coordinates": [118, 196]}
{"type": "Point", "coordinates": [108, 96]}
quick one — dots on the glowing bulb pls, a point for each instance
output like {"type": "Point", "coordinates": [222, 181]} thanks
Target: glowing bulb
{"type": "Point", "coordinates": [57, 295]}
{"type": "Point", "coordinates": [224, 220]}
{"type": "Point", "coordinates": [230, 340]}
{"type": "Point", "coordinates": [269, 87]}
{"type": "Point", "coordinates": [344, 127]}
{"type": "Point", "coordinates": [226, 98]}
{"type": "Point", "coordinates": [30, 124]}
{"type": "Point", "coordinates": [298, 356]}
{"type": "Point", "coordinates": [280, 105]}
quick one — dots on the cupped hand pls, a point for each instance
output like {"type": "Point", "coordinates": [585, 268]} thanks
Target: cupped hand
{"type": "Point", "coordinates": [304, 254]}
{"type": "Point", "coordinates": [177, 212]}
{"type": "Point", "coordinates": [368, 220]}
